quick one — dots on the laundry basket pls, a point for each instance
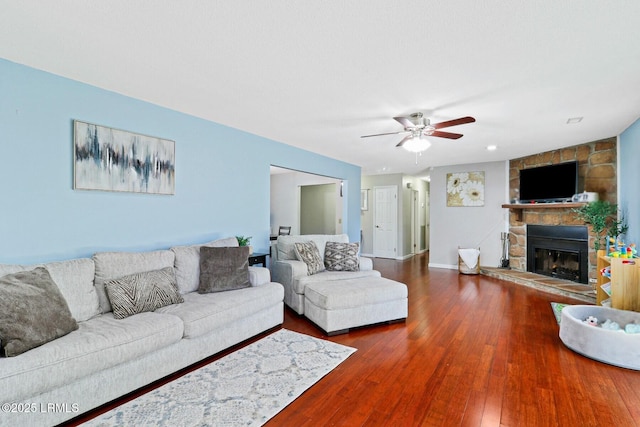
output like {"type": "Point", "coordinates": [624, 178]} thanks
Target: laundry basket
{"type": "Point", "coordinates": [468, 260]}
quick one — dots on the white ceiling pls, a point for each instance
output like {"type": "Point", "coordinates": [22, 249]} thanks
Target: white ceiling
{"type": "Point", "coordinates": [318, 74]}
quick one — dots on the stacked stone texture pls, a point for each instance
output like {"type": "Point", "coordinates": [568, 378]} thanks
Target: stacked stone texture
{"type": "Point", "coordinates": [597, 169]}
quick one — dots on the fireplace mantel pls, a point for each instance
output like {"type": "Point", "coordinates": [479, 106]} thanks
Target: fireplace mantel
{"type": "Point", "coordinates": [519, 207]}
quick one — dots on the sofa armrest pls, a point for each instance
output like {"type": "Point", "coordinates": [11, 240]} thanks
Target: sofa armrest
{"type": "Point", "coordinates": [286, 271]}
{"type": "Point", "coordinates": [259, 276]}
{"type": "Point", "coordinates": [366, 264]}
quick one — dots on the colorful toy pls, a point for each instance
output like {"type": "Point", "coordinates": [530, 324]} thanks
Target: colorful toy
{"type": "Point", "coordinates": [617, 249]}
{"type": "Point", "coordinates": [632, 328]}
{"type": "Point", "coordinates": [591, 320]}
{"type": "Point", "coordinates": [611, 325]}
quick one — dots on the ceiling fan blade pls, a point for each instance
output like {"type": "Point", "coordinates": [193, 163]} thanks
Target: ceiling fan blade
{"type": "Point", "coordinates": [446, 134]}
{"type": "Point", "coordinates": [405, 139]}
{"type": "Point", "coordinates": [455, 122]}
{"type": "Point", "coordinates": [381, 134]}
{"type": "Point", "coordinates": [404, 121]}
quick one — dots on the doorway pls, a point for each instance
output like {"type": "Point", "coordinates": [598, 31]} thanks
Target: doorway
{"type": "Point", "coordinates": [318, 209]}
{"type": "Point", "coordinates": [286, 193]}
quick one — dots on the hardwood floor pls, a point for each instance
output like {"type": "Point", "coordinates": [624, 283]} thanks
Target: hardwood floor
{"type": "Point", "coordinates": [474, 351]}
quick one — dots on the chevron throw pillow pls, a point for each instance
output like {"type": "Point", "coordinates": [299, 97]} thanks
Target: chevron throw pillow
{"type": "Point", "coordinates": [140, 292]}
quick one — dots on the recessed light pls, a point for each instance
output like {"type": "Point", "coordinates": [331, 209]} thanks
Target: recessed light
{"type": "Point", "coordinates": [573, 120]}
{"type": "Point", "coordinates": [492, 147]}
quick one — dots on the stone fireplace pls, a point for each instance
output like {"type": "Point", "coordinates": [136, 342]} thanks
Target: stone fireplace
{"type": "Point", "coordinates": [597, 170]}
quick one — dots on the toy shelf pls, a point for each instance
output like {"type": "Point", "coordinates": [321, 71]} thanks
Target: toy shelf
{"type": "Point", "coordinates": [625, 282]}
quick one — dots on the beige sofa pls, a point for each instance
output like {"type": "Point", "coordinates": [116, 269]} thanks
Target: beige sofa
{"type": "Point", "coordinates": [293, 274]}
{"type": "Point", "coordinates": [106, 357]}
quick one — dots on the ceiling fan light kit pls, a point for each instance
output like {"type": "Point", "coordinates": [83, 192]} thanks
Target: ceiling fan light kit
{"type": "Point", "coordinates": [416, 145]}
{"type": "Point", "coordinates": [418, 126]}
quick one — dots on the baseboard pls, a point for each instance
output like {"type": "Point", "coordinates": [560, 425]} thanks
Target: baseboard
{"type": "Point", "coordinates": [400, 258]}
{"type": "Point", "coordinates": [447, 266]}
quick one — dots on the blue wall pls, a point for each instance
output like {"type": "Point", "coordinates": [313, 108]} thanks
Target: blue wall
{"type": "Point", "coordinates": [222, 175]}
{"type": "Point", "coordinates": [629, 167]}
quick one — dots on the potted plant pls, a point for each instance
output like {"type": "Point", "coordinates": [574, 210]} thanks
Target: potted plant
{"type": "Point", "coordinates": [601, 215]}
{"type": "Point", "coordinates": [245, 241]}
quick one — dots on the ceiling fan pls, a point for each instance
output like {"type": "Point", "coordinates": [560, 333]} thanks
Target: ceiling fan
{"type": "Point", "coordinates": [417, 126]}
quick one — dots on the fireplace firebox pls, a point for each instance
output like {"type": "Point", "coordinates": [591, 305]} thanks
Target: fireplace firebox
{"type": "Point", "coordinates": [560, 251]}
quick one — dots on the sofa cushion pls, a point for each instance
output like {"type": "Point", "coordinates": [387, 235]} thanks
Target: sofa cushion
{"type": "Point", "coordinates": [32, 311]}
{"type": "Point", "coordinates": [341, 256]}
{"type": "Point", "coordinates": [308, 253]}
{"type": "Point", "coordinates": [140, 292]}
{"type": "Point", "coordinates": [97, 344]}
{"type": "Point", "coordinates": [204, 313]}
{"type": "Point", "coordinates": [223, 269]}
{"type": "Point", "coordinates": [351, 293]}
{"type": "Point", "coordinates": [74, 278]}
{"type": "Point", "coordinates": [187, 262]}
{"type": "Point", "coordinates": [300, 283]}
{"type": "Point", "coordinates": [112, 265]}
{"type": "Point", "coordinates": [286, 244]}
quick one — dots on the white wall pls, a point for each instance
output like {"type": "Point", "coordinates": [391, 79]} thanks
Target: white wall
{"type": "Point", "coordinates": [468, 226]}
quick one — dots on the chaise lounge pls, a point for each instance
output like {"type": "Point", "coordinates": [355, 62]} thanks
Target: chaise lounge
{"type": "Point", "coordinates": [326, 280]}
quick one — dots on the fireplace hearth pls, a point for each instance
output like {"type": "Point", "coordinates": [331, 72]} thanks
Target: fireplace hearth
{"type": "Point", "coordinates": [558, 251]}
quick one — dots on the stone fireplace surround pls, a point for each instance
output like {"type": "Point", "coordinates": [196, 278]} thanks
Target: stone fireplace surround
{"type": "Point", "coordinates": [597, 172]}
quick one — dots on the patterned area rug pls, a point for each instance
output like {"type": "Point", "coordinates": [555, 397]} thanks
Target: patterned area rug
{"type": "Point", "coordinates": [245, 388]}
{"type": "Point", "coordinates": [557, 310]}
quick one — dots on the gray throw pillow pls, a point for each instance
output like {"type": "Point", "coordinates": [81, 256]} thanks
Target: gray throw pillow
{"type": "Point", "coordinates": [308, 253]}
{"type": "Point", "coordinates": [341, 256]}
{"type": "Point", "coordinates": [32, 311]}
{"type": "Point", "coordinates": [223, 269]}
{"type": "Point", "coordinates": [140, 292]}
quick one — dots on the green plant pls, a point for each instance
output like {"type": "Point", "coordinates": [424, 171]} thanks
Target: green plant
{"type": "Point", "coordinates": [602, 216]}
{"type": "Point", "coordinates": [617, 228]}
{"type": "Point", "coordinates": [243, 241]}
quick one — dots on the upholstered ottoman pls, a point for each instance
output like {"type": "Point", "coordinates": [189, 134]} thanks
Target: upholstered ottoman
{"type": "Point", "coordinates": [336, 306]}
{"type": "Point", "coordinates": [613, 347]}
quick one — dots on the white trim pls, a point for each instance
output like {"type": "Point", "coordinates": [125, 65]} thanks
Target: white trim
{"type": "Point", "coordinates": [447, 266]}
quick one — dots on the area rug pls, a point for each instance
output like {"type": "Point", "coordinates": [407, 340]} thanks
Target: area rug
{"type": "Point", "coordinates": [244, 388]}
{"type": "Point", "coordinates": [557, 310]}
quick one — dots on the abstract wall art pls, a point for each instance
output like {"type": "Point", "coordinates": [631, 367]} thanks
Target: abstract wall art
{"type": "Point", "coordinates": [465, 189]}
{"type": "Point", "coordinates": [116, 160]}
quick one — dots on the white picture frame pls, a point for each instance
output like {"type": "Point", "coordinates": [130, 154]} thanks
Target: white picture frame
{"type": "Point", "coordinates": [364, 200]}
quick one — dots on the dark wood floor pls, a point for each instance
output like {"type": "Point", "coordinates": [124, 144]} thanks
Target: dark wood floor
{"type": "Point", "coordinates": [474, 351]}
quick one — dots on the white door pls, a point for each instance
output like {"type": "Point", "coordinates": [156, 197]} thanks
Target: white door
{"type": "Point", "coordinates": [385, 217]}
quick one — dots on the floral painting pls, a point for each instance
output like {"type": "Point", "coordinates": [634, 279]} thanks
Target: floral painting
{"type": "Point", "coordinates": [465, 189]}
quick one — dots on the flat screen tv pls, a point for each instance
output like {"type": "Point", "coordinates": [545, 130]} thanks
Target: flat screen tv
{"type": "Point", "coordinates": [552, 183]}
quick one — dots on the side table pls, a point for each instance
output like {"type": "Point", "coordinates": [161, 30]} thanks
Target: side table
{"type": "Point", "coordinates": [258, 258]}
